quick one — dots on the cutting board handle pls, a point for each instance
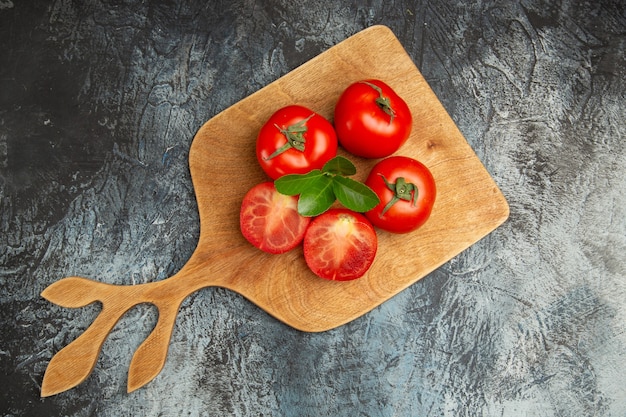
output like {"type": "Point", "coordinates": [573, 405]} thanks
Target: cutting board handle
{"type": "Point", "coordinates": [73, 364]}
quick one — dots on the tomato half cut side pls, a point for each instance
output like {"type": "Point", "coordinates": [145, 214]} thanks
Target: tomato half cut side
{"type": "Point", "coordinates": [270, 220]}
{"type": "Point", "coordinates": [340, 245]}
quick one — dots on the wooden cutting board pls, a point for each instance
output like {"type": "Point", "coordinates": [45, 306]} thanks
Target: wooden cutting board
{"type": "Point", "coordinates": [223, 168]}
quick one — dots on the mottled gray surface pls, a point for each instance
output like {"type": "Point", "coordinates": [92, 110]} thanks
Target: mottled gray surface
{"type": "Point", "coordinates": [99, 102]}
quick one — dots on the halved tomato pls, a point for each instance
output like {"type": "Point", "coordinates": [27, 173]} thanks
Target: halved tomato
{"type": "Point", "coordinates": [270, 220]}
{"type": "Point", "coordinates": [340, 244]}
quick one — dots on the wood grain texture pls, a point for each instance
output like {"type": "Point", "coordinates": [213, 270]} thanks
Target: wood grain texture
{"type": "Point", "coordinates": [469, 205]}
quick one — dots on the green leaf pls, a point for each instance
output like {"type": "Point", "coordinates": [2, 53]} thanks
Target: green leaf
{"type": "Point", "coordinates": [339, 166]}
{"type": "Point", "coordinates": [319, 189]}
{"type": "Point", "coordinates": [318, 197]}
{"type": "Point", "coordinates": [354, 195]}
{"type": "Point", "coordinates": [294, 184]}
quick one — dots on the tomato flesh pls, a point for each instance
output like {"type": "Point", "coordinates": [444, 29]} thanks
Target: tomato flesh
{"type": "Point", "coordinates": [402, 216]}
{"type": "Point", "coordinates": [270, 221]}
{"type": "Point", "coordinates": [340, 245]}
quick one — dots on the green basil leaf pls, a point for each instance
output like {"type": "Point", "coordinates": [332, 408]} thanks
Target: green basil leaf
{"type": "Point", "coordinates": [294, 184]}
{"type": "Point", "coordinates": [354, 195]}
{"type": "Point", "coordinates": [317, 198]}
{"type": "Point", "coordinates": [339, 166]}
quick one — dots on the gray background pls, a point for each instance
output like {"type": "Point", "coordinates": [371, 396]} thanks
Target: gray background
{"type": "Point", "coordinates": [99, 103]}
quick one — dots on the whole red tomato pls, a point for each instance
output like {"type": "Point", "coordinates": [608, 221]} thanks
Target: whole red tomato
{"type": "Point", "coordinates": [295, 140]}
{"type": "Point", "coordinates": [407, 192]}
{"type": "Point", "coordinates": [371, 120]}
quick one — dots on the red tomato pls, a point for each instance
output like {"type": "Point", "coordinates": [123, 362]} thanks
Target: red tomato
{"type": "Point", "coordinates": [371, 120]}
{"type": "Point", "coordinates": [340, 245]}
{"type": "Point", "coordinates": [270, 220]}
{"type": "Point", "coordinates": [407, 192]}
{"type": "Point", "coordinates": [295, 140]}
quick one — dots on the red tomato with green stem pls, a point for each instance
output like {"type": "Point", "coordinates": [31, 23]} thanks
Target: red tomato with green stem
{"type": "Point", "coordinates": [340, 245]}
{"type": "Point", "coordinates": [371, 120]}
{"type": "Point", "coordinates": [295, 140]}
{"type": "Point", "coordinates": [270, 220]}
{"type": "Point", "coordinates": [406, 189]}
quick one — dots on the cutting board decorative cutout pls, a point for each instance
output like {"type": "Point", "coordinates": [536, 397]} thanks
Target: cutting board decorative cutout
{"type": "Point", "coordinates": [469, 206]}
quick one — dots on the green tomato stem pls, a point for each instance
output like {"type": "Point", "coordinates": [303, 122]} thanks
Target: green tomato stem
{"type": "Point", "coordinates": [383, 102]}
{"type": "Point", "coordinates": [402, 190]}
{"type": "Point", "coordinates": [295, 137]}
